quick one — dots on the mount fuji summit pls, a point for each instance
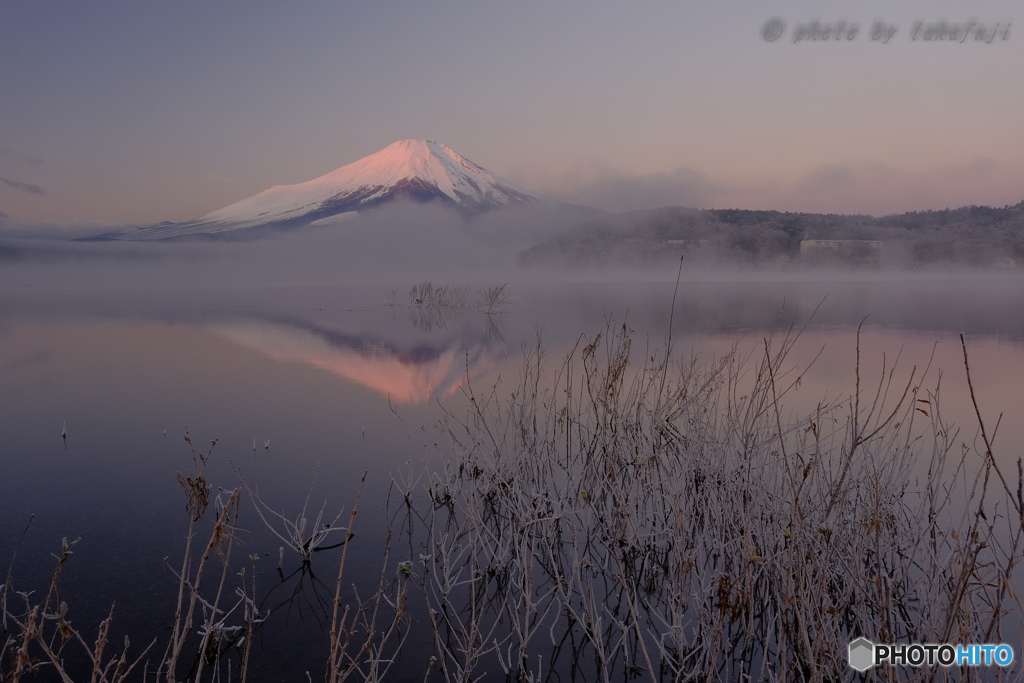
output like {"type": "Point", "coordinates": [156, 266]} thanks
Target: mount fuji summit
{"type": "Point", "coordinates": [416, 170]}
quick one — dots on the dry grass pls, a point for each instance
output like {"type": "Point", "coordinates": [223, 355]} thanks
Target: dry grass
{"type": "Point", "coordinates": [209, 640]}
{"type": "Point", "coordinates": [493, 299]}
{"type": "Point", "coordinates": [607, 518]}
{"type": "Point", "coordinates": [664, 522]}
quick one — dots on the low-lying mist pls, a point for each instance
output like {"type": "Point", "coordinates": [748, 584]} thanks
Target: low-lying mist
{"type": "Point", "coordinates": [410, 242]}
{"type": "Point", "coordinates": [969, 237]}
{"type": "Point", "coordinates": [406, 244]}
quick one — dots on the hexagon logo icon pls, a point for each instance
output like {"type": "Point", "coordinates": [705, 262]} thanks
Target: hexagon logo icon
{"type": "Point", "coordinates": [861, 654]}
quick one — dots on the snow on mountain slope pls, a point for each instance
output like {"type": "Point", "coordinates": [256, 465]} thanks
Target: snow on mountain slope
{"type": "Point", "coordinates": [413, 169]}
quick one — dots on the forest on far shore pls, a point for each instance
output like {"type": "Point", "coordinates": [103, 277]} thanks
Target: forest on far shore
{"type": "Point", "coordinates": [976, 236]}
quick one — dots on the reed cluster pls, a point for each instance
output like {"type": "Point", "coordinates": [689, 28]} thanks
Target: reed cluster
{"type": "Point", "coordinates": [615, 513]}
{"type": "Point", "coordinates": [604, 519]}
{"type": "Point", "coordinates": [491, 299]}
{"type": "Point", "coordinates": [218, 610]}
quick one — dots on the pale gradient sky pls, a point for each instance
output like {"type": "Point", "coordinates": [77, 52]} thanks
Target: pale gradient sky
{"type": "Point", "coordinates": [141, 112]}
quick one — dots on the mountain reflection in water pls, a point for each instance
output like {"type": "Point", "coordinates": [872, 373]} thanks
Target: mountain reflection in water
{"type": "Point", "coordinates": [409, 372]}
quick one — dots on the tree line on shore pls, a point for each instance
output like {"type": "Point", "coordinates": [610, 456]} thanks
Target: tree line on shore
{"type": "Point", "coordinates": [975, 236]}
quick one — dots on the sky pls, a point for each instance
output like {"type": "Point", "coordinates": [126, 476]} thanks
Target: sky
{"type": "Point", "coordinates": [139, 112]}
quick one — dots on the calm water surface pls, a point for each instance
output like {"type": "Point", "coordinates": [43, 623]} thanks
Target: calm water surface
{"type": "Point", "coordinates": [329, 383]}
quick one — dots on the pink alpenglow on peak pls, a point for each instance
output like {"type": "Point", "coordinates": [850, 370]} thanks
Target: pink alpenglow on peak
{"type": "Point", "coordinates": [417, 170]}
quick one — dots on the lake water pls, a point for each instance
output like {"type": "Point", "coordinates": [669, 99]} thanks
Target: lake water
{"type": "Point", "coordinates": [303, 383]}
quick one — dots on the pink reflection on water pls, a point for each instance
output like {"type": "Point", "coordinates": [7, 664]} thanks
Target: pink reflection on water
{"type": "Point", "coordinates": [409, 377]}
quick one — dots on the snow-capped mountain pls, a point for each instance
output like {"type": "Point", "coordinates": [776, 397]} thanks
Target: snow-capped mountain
{"type": "Point", "coordinates": [412, 169]}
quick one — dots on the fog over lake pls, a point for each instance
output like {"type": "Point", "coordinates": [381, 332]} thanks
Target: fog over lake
{"type": "Point", "coordinates": [307, 363]}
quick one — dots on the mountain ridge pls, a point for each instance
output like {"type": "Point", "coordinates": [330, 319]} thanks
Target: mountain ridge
{"type": "Point", "coordinates": [421, 171]}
